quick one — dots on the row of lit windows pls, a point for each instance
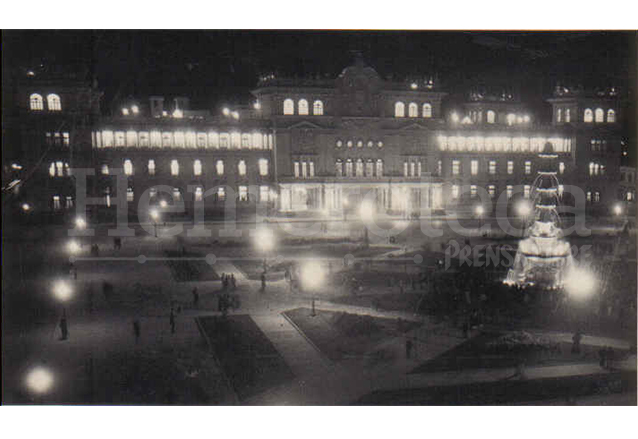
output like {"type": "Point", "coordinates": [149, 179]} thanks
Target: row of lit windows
{"type": "Point", "coordinates": [57, 203]}
{"type": "Point", "coordinates": [502, 144]}
{"type": "Point", "coordinates": [181, 139]}
{"type": "Point", "coordinates": [350, 143]}
{"type": "Point", "coordinates": [57, 139]}
{"type": "Point", "coordinates": [262, 167]}
{"type": "Point", "coordinates": [598, 115]}
{"type": "Point", "coordinates": [477, 117]}
{"type": "Point", "coordinates": [304, 169]}
{"type": "Point", "coordinates": [359, 168]}
{"type": "Point", "coordinates": [492, 191]}
{"type": "Point", "coordinates": [302, 107]}
{"type": "Point", "coordinates": [456, 167]}
{"type": "Point", "coordinates": [265, 194]}
{"type": "Point", "coordinates": [59, 169]}
{"type": "Point", "coordinates": [413, 110]}
{"type": "Point", "coordinates": [593, 196]}
{"type": "Point", "coordinates": [36, 102]}
{"type": "Point", "coordinates": [598, 145]}
{"type": "Point", "coordinates": [596, 169]}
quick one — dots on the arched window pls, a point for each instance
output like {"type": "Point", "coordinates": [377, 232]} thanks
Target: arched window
{"type": "Point", "coordinates": [36, 102]}
{"type": "Point", "coordinates": [491, 116]}
{"type": "Point", "coordinates": [511, 118]}
{"type": "Point", "coordinates": [197, 167]}
{"type": "Point", "coordinates": [589, 115]}
{"type": "Point", "coordinates": [128, 167]}
{"type": "Point", "coordinates": [53, 102]}
{"type": "Point", "coordinates": [413, 110]}
{"type": "Point", "coordinates": [379, 168]}
{"type": "Point", "coordinates": [339, 167]}
{"type": "Point", "coordinates": [289, 106]}
{"type": "Point", "coordinates": [599, 115]}
{"type": "Point", "coordinates": [349, 168]}
{"type": "Point", "coordinates": [359, 168]}
{"type": "Point", "coordinates": [303, 107]}
{"type": "Point", "coordinates": [241, 167]}
{"type": "Point", "coordinates": [611, 115]}
{"type": "Point", "coordinates": [427, 110]}
{"type": "Point", "coordinates": [399, 109]}
{"type": "Point", "coordinates": [317, 108]}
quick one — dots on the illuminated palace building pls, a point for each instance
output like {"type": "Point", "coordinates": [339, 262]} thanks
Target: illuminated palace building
{"type": "Point", "coordinates": [321, 145]}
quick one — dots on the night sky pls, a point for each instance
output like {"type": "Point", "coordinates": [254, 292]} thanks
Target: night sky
{"type": "Point", "coordinates": [219, 67]}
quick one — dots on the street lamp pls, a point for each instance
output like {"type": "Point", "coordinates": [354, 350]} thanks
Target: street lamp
{"type": "Point", "coordinates": [73, 247]}
{"type": "Point", "coordinates": [265, 242]}
{"type": "Point", "coordinates": [155, 216]}
{"type": "Point", "coordinates": [62, 291]}
{"type": "Point", "coordinates": [163, 204]}
{"type": "Point", "coordinates": [617, 209]}
{"type": "Point", "coordinates": [312, 278]}
{"type": "Point", "coordinates": [80, 223]}
{"type": "Point", "coordinates": [479, 211]}
{"type": "Point", "coordinates": [39, 380]}
{"type": "Point", "coordinates": [580, 283]}
{"type": "Point", "coordinates": [366, 210]}
{"type": "Point", "coordinates": [26, 207]}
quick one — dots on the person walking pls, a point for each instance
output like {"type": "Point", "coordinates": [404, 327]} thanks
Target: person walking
{"type": "Point", "coordinates": [136, 330]}
{"type": "Point", "coordinates": [263, 282]}
{"type": "Point", "coordinates": [576, 342]}
{"type": "Point", "coordinates": [172, 321]}
{"type": "Point", "coordinates": [233, 282]}
{"type": "Point", "coordinates": [63, 326]}
{"type": "Point", "coordinates": [195, 298]}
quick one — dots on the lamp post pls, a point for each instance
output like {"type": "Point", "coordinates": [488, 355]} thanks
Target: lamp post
{"type": "Point", "coordinates": [366, 210]}
{"type": "Point", "coordinates": [39, 380]}
{"type": "Point", "coordinates": [155, 217]}
{"type": "Point", "coordinates": [63, 292]}
{"type": "Point", "coordinates": [479, 211]}
{"type": "Point", "coordinates": [312, 278]}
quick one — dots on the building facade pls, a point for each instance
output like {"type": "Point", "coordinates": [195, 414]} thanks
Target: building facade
{"type": "Point", "coordinates": [318, 146]}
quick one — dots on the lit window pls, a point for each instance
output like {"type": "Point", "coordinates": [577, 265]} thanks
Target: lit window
{"type": "Point", "coordinates": [65, 139]}
{"type": "Point", "coordinates": [491, 116]}
{"type": "Point", "coordinates": [413, 110]}
{"type": "Point", "coordinates": [174, 168]}
{"type": "Point", "coordinates": [339, 168]}
{"type": "Point", "coordinates": [492, 167]}
{"type": "Point", "coordinates": [455, 191]}
{"type": "Point", "coordinates": [52, 170]}
{"type": "Point", "coordinates": [241, 167]}
{"type": "Point", "coordinates": [56, 202]}
{"type": "Point", "coordinates": [128, 167]}
{"type": "Point", "coordinates": [339, 143]}
{"type": "Point", "coordinates": [156, 139]}
{"type": "Point", "coordinates": [589, 115]}
{"type": "Point", "coordinates": [107, 138]}
{"type": "Point", "coordinates": [380, 144]}
{"type": "Point", "coordinates": [370, 143]}
{"type": "Point", "coordinates": [474, 166]}
{"type": "Point", "coordinates": [561, 168]}
{"type": "Point", "coordinates": [59, 166]}
{"type": "Point", "coordinates": [105, 169]}
{"type": "Point", "coordinates": [510, 167]}
{"type": "Point", "coordinates": [561, 190]}
{"type": "Point", "coordinates": [130, 196]}
{"type": "Point", "coordinates": [177, 195]}
{"type": "Point", "coordinates": [245, 140]}
{"type": "Point", "coordinates": [369, 168]}
{"type": "Point", "coordinates": [243, 193]}
{"type": "Point", "coordinates": [360, 144]}
{"type": "Point", "coordinates": [568, 116]}
{"type": "Point", "coordinates": [350, 144]}
{"type": "Point", "coordinates": [221, 193]}
{"type": "Point", "coordinates": [69, 202]}
{"type": "Point", "coordinates": [317, 108]}
{"type": "Point", "coordinates": [224, 140]}
{"type": "Point", "coordinates": [144, 139]}
{"type": "Point", "coordinates": [456, 167]}
{"type": "Point", "coordinates": [349, 168]}
{"type": "Point", "coordinates": [199, 193]}
{"type": "Point", "coordinates": [589, 196]}
{"type": "Point", "coordinates": [591, 168]}
{"type": "Point", "coordinates": [405, 169]}
{"type": "Point", "coordinates": [264, 192]}
{"type": "Point", "coordinates": [412, 169]}
{"type": "Point", "coordinates": [289, 107]}
{"type": "Point", "coordinates": [296, 169]}
{"type": "Point", "coordinates": [399, 109]}
{"type": "Point", "coordinates": [151, 167]}
{"type": "Point", "coordinates": [511, 118]}
{"type": "Point", "coordinates": [36, 103]}
{"type": "Point", "coordinates": [379, 168]}
{"type": "Point", "coordinates": [235, 140]}
{"type": "Point", "coordinates": [120, 138]}
{"type": "Point", "coordinates": [439, 167]}
{"type": "Point", "coordinates": [630, 196]}
{"type": "Point", "coordinates": [53, 102]}
{"type": "Point", "coordinates": [559, 115]}
{"type": "Point", "coordinates": [190, 139]}
{"type": "Point", "coordinates": [197, 167]}
{"type": "Point", "coordinates": [213, 140]}
{"type": "Point", "coordinates": [526, 190]}
{"type": "Point", "coordinates": [303, 107]}
{"type": "Point", "coordinates": [599, 115]}
{"type": "Point", "coordinates": [491, 189]}
{"type": "Point", "coordinates": [596, 197]}
{"type": "Point", "coordinates": [304, 169]}
{"type": "Point", "coordinates": [311, 169]}
{"type": "Point", "coordinates": [131, 138]}
{"type": "Point", "coordinates": [528, 168]}
{"type": "Point", "coordinates": [263, 167]}
{"type": "Point", "coordinates": [201, 140]}
{"type": "Point", "coordinates": [611, 116]}
{"type": "Point", "coordinates": [510, 191]}
{"type": "Point", "coordinates": [427, 110]}
{"type": "Point", "coordinates": [257, 141]}
{"type": "Point", "coordinates": [473, 191]}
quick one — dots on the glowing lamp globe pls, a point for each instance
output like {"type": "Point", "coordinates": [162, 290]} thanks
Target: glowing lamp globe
{"type": "Point", "coordinates": [479, 210]}
{"type": "Point", "coordinates": [62, 291]}
{"type": "Point", "coordinates": [617, 209]}
{"type": "Point", "coordinates": [39, 380]}
{"type": "Point", "coordinates": [163, 203]}
{"type": "Point", "coordinates": [154, 214]}
{"type": "Point", "coordinates": [524, 209]}
{"type": "Point", "coordinates": [80, 223]}
{"type": "Point", "coordinates": [265, 240]}
{"type": "Point", "coordinates": [366, 210]}
{"type": "Point", "coordinates": [73, 247]}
